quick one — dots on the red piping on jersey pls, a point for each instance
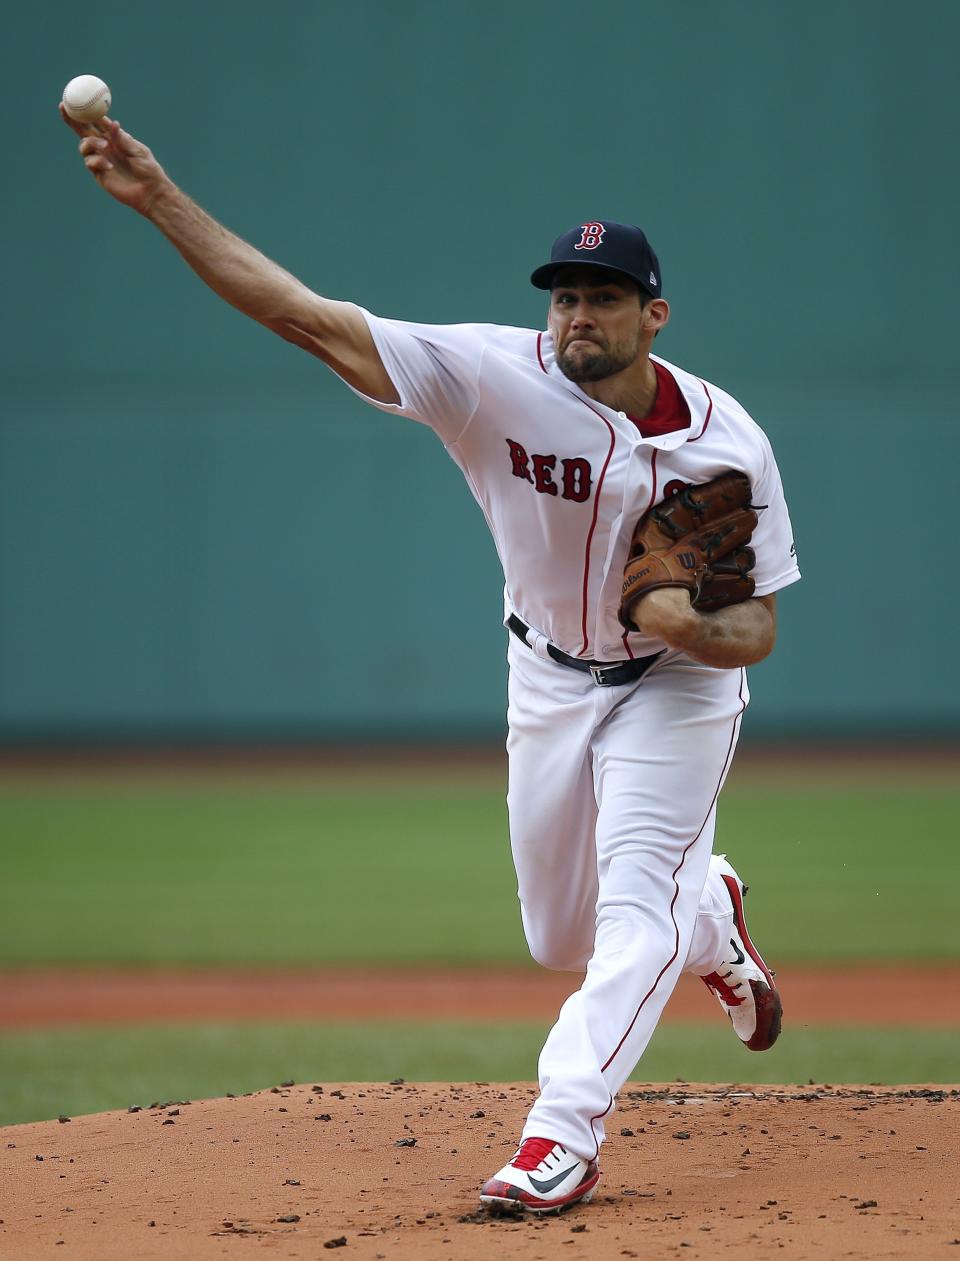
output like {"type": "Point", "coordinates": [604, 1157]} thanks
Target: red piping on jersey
{"type": "Point", "coordinates": [593, 525]}
{"type": "Point", "coordinates": [607, 1109]}
{"type": "Point", "coordinates": [539, 356]}
{"type": "Point", "coordinates": [708, 415]}
{"type": "Point", "coordinates": [676, 886]}
{"type": "Point", "coordinates": [653, 500]}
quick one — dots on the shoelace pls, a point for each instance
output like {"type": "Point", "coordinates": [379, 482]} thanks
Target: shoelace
{"type": "Point", "coordinates": [533, 1152]}
{"type": "Point", "coordinates": [719, 985]}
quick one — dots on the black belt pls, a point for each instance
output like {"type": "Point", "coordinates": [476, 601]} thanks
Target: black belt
{"type": "Point", "coordinates": [605, 673]}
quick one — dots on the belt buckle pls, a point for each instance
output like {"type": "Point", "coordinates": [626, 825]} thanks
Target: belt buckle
{"type": "Point", "coordinates": [598, 673]}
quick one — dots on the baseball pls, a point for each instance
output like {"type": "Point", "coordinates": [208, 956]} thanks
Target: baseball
{"type": "Point", "coordinates": [86, 98]}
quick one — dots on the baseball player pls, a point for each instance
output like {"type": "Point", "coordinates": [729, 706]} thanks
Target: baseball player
{"type": "Point", "coordinates": [589, 456]}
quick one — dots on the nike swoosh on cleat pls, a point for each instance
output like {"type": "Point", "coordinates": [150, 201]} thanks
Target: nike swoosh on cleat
{"type": "Point", "coordinates": [544, 1187]}
{"type": "Point", "coordinates": [740, 955]}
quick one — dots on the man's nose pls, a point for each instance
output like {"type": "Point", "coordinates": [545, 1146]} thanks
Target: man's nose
{"type": "Point", "coordinates": [581, 317]}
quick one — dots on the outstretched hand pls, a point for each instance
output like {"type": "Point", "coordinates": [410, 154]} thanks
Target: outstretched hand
{"type": "Point", "coordinates": [120, 164]}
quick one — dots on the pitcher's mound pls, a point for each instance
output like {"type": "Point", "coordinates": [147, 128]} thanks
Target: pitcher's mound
{"type": "Point", "coordinates": [392, 1171]}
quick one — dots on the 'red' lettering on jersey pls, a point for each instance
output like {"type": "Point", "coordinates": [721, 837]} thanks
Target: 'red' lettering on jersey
{"type": "Point", "coordinates": [576, 480]}
{"type": "Point", "coordinates": [577, 474]}
{"type": "Point", "coordinates": [562, 479]}
{"type": "Point", "coordinates": [543, 466]}
{"type": "Point", "coordinates": [519, 460]}
{"type": "Point", "coordinates": [591, 236]}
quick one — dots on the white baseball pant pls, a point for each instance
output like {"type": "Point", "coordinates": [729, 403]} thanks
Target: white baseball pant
{"type": "Point", "coordinates": [612, 803]}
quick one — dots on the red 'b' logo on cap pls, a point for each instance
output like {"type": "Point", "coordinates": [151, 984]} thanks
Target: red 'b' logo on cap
{"type": "Point", "coordinates": [592, 235]}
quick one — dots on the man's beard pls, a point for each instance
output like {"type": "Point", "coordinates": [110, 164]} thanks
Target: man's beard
{"type": "Point", "coordinates": [595, 366]}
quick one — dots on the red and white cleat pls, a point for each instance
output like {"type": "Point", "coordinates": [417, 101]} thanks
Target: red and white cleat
{"type": "Point", "coordinates": [543, 1177]}
{"type": "Point", "coordinates": [743, 983]}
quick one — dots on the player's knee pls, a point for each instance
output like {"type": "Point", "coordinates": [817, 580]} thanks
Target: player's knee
{"type": "Point", "coordinates": [557, 954]}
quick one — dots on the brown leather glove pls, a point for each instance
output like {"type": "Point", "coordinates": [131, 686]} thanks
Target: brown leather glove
{"type": "Point", "coordinates": [695, 539]}
{"type": "Point", "coordinates": [727, 581]}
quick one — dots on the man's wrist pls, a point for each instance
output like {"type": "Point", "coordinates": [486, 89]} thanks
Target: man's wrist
{"type": "Point", "coordinates": [159, 200]}
{"type": "Point", "coordinates": [667, 614]}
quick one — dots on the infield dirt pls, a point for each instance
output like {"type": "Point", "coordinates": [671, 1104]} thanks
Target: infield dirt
{"type": "Point", "coordinates": [391, 1172]}
{"type": "Point", "coordinates": [927, 995]}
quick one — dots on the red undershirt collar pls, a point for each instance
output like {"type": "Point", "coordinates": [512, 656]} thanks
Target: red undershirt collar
{"type": "Point", "coordinates": [669, 412]}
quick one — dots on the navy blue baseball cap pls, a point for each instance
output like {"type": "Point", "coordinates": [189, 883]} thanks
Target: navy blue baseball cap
{"type": "Point", "coordinates": [619, 246]}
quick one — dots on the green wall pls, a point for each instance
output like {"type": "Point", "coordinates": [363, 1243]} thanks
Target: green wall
{"type": "Point", "coordinates": [203, 533]}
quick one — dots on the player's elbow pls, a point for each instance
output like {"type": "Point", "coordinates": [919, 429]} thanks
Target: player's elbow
{"type": "Point", "coordinates": [293, 331]}
{"type": "Point", "coordinates": [306, 320]}
{"type": "Point", "coordinates": [759, 643]}
{"type": "Point", "coordinates": [741, 635]}
{"type": "Point", "coordinates": [765, 609]}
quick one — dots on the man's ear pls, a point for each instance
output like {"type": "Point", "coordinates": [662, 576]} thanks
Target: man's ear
{"type": "Point", "coordinates": [656, 315]}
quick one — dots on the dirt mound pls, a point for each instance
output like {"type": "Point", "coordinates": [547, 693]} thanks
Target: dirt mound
{"type": "Point", "coordinates": [392, 1171]}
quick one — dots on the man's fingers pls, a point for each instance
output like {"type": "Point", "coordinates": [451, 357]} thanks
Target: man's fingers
{"type": "Point", "coordinates": [82, 129]}
{"type": "Point", "coordinates": [98, 163]}
{"type": "Point", "coordinates": [96, 154]}
{"type": "Point", "coordinates": [122, 140]}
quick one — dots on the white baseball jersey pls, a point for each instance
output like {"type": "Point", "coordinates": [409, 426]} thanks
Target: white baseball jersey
{"type": "Point", "coordinates": [612, 789]}
{"type": "Point", "coordinates": [562, 479]}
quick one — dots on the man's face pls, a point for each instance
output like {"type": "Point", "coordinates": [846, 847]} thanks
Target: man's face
{"type": "Point", "coordinates": [596, 319]}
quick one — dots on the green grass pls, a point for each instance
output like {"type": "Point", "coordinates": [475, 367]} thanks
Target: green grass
{"type": "Point", "coordinates": [43, 1074]}
{"type": "Point", "coordinates": [381, 870]}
